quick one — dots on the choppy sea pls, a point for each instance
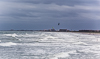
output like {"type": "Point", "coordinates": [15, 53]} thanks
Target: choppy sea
{"type": "Point", "coordinates": [48, 45]}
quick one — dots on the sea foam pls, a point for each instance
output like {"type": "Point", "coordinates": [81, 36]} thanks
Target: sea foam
{"type": "Point", "coordinates": [7, 44]}
{"type": "Point", "coordinates": [62, 55]}
{"type": "Point", "coordinates": [13, 35]}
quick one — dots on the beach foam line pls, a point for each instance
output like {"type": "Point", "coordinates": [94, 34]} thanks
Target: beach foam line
{"type": "Point", "coordinates": [7, 44]}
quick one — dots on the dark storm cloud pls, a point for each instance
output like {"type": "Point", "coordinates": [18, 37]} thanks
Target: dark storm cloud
{"type": "Point", "coordinates": [59, 2]}
{"type": "Point", "coordinates": [45, 12]}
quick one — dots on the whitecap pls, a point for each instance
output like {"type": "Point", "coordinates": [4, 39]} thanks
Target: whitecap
{"type": "Point", "coordinates": [62, 55]}
{"type": "Point", "coordinates": [13, 35]}
{"type": "Point", "coordinates": [7, 44]}
{"type": "Point", "coordinates": [80, 43]}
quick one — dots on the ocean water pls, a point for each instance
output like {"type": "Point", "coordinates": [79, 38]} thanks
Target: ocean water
{"type": "Point", "coordinates": [48, 45]}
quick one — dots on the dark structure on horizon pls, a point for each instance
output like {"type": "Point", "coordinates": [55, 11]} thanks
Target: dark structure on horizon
{"type": "Point", "coordinates": [63, 30]}
{"type": "Point", "coordinates": [89, 30]}
{"type": "Point", "coordinates": [53, 30]}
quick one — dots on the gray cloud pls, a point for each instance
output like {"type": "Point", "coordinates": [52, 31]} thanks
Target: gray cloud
{"type": "Point", "coordinates": [40, 13]}
{"type": "Point", "coordinates": [59, 2]}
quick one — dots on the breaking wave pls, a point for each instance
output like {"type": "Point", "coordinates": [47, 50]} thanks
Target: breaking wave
{"type": "Point", "coordinates": [7, 44]}
{"type": "Point", "coordinates": [49, 45]}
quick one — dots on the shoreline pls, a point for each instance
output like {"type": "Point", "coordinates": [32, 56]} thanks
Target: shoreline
{"type": "Point", "coordinates": [88, 33]}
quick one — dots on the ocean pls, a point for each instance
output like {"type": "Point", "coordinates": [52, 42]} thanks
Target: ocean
{"type": "Point", "coordinates": [48, 45]}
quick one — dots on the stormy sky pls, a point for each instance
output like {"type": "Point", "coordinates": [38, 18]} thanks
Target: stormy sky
{"type": "Point", "coordinates": [45, 14]}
